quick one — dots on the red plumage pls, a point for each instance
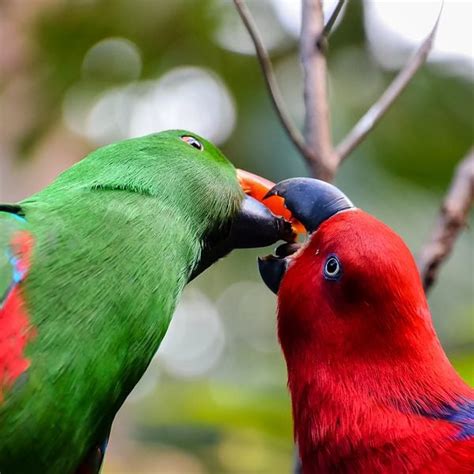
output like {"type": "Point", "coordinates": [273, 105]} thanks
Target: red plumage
{"type": "Point", "coordinates": [372, 389]}
{"type": "Point", "coordinates": [14, 319]}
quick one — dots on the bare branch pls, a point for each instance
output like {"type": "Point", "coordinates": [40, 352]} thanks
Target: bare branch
{"type": "Point", "coordinates": [383, 104]}
{"type": "Point", "coordinates": [266, 65]}
{"type": "Point", "coordinates": [317, 123]}
{"type": "Point", "coordinates": [452, 219]}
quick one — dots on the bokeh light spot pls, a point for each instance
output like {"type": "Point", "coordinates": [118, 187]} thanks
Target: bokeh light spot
{"type": "Point", "coordinates": [232, 35]}
{"type": "Point", "coordinates": [112, 59]}
{"type": "Point", "coordinates": [395, 28]}
{"type": "Point", "coordinates": [186, 97]}
{"type": "Point", "coordinates": [195, 339]}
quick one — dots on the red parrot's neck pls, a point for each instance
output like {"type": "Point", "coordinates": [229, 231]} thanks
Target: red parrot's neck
{"type": "Point", "coordinates": [371, 416]}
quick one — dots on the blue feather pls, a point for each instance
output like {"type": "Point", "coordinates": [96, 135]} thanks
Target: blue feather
{"type": "Point", "coordinates": [17, 275]}
{"type": "Point", "coordinates": [18, 218]}
{"type": "Point", "coordinates": [461, 414]}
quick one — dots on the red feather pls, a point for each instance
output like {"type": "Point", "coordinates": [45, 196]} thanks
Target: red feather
{"type": "Point", "coordinates": [365, 366]}
{"type": "Point", "coordinates": [15, 329]}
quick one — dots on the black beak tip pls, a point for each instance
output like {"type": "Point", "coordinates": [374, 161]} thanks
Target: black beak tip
{"type": "Point", "coordinates": [272, 270]}
{"type": "Point", "coordinates": [256, 226]}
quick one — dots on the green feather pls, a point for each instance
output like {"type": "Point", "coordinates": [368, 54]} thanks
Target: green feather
{"type": "Point", "coordinates": [116, 238]}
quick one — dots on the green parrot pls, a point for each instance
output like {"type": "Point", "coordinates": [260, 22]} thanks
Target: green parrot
{"type": "Point", "coordinates": [91, 269]}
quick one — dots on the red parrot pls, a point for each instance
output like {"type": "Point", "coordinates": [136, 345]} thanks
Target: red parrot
{"type": "Point", "coordinates": [372, 389]}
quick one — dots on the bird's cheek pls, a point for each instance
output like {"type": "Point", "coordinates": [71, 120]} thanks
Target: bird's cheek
{"type": "Point", "coordinates": [297, 291]}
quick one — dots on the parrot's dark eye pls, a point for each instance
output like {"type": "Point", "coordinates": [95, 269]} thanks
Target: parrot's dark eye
{"type": "Point", "coordinates": [332, 268]}
{"type": "Point", "coordinates": [193, 142]}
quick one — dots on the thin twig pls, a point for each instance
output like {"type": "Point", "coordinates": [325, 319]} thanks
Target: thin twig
{"type": "Point", "coordinates": [380, 108]}
{"type": "Point", "coordinates": [267, 69]}
{"type": "Point", "coordinates": [451, 220]}
{"type": "Point", "coordinates": [330, 23]}
{"type": "Point", "coordinates": [317, 122]}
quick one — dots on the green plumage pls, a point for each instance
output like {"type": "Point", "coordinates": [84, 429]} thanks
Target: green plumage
{"type": "Point", "coordinates": [116, 238]}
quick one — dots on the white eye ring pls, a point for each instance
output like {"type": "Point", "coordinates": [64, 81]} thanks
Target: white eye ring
{"type": "Point", "coordinates": [332, 268]}
{"type": "Point", "coordinates": [194, 142]}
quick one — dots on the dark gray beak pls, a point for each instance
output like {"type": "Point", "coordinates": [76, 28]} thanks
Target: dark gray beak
{"type": "Point", "coordinates": [254, 226]}
{"type": "Point", "coordinates": [312, 202]}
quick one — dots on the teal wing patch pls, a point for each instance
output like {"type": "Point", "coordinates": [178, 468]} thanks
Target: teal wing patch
{"type": "Point", "coordinates": [11, 221]}
{"type": "Point", "coordinates": [16, 244]}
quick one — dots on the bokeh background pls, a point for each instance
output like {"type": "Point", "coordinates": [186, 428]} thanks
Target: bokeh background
{"type": "Point", "coordinates": [75, 75]}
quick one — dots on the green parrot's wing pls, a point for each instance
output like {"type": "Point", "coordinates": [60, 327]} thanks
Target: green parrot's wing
{"type": "Point", "coordinates": [16, 244]}
{"type": "Point", "coordinates": [12, 222]}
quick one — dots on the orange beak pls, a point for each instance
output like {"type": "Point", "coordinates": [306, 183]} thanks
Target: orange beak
{"type": "Point", "coordinates": [258, 187]}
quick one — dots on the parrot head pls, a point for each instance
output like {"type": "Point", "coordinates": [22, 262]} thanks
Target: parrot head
{"type": "Point", "coordinates": [352, 287]}
{"type": "Point", "coordinates": [199, 189]}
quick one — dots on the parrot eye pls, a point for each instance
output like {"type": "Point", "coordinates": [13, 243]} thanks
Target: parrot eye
{"type": "Point", "coordinates": [332, 268]}
{"type": "Point", "coordinates": [193, 142]}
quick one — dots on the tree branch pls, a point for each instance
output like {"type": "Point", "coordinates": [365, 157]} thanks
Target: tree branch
{"type": "Point", "coordinates": [270, 81]}
{"type": "Point", "coordinates": [383, 104]}
{"type": "Point", "coordinates": [452, 219]}
{"type": "Point", "coordinates": [317, 122]}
